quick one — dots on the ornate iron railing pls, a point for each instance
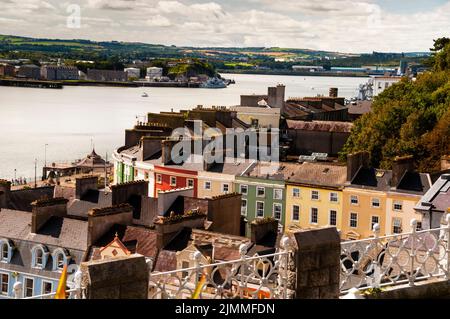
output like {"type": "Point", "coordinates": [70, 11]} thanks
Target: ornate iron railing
{"type": "Point", "coordinates": [395, 259]}
{"type": "Point", "coordinates": [257, 277]}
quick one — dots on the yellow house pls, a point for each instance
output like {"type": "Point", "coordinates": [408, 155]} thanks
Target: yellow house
{"type": "Point", "coordinates": [219, 178]}
{"type": "Point", "coordinates": [383, 197]}
{"type": "Point", "coordinates": [314, 196]}
{"type": "Point", "coordinates": [362, 209]}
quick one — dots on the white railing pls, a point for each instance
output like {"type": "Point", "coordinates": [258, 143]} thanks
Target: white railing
{"type": "Point", "coordinates": [73, 294]}
{"type": "Point", "coordinates": [258, 277]}
{"type": "Point", "coordinates": [395, 259]}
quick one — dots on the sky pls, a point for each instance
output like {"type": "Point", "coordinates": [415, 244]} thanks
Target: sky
{"type": "Point", "coordinates": [351, 26]}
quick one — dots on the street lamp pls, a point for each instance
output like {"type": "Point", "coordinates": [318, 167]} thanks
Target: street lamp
{"type": "Point", "coordinates": [35, 173]}
{"type": "Point", "coordinates": [45, 156]}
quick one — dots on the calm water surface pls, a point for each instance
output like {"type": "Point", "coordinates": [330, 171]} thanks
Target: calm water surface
{"type": "Point", "coordinates": [68, 119]}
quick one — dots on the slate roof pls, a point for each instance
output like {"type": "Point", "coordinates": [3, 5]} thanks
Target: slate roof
{"type": "Point", "coordinates": [320, 126]}
{"type": "Point", "coordinates": [166, 261]}
{"type": "Point", "coordinates": [92, 199]}
{"type": "Point", "coordinates": [319, 174]}
{"type": "Point", "coordinates": [438, 196]}
{"type": "Point", "coordinates": [224, 253]}
{"type": "Point", "coordinates": [22, 199]}
{"type": "Point", "coordinates": [136, 239]}
{"type": "Point", "coordinates": [57, 231]}
{"type": "Point", "coordinates": [273, 171]}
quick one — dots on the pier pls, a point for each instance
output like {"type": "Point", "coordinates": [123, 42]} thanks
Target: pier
{"type": "Point", "coordinates": [31, 83]}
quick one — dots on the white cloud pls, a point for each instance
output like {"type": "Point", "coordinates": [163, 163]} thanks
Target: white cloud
{"type": "Point", "coordinates": [158, 21]}
{"type": "Point", "coordinates": [337, 25]}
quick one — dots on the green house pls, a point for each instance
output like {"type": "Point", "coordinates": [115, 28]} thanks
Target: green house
{"type": "Point", "coordinates": [263, 192]}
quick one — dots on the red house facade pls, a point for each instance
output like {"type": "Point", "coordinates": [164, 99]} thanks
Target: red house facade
{"type": "Point", "coordinates": [173, 178]}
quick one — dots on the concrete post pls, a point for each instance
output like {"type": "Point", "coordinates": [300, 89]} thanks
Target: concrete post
{"type": "Point", "coordinates": [317, 261]}
{"type": "Point", "coordinates": [116, 278]}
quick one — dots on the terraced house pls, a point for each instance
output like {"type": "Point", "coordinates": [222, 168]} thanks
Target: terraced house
{"type": "Point", "coordinates": [263, 192]}
{"type": "Point", "coordinates": [314, 196]}
{"type": "Point", "coordinates": [383, 197]}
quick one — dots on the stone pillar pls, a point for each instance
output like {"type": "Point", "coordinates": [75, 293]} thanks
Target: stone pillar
{"type": "Point", "coordinates": [116, 278]}
{"type": "Point", "coordinates": [317, 260]}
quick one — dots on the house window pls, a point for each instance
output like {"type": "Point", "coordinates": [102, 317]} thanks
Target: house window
{"type": "Point", "coordinates": [353, 220]}
{"type": "Point", "coordinates": [296, 212]}
{"type": "Point", "coordinates": [260, 191]}
{"type": "Point", "coordinates": [4, 252]}
{"type": "Point", "coordinates": [398, 206]}
{"type": "Point", "coordinates": [225, 188]}
{"type": "Point", "coordinates": [146, 176]}
{"type": "Point", "coordinates": [185, 265]}
{"type": "Point", "coordinates": [259, 209]}
{"type": "Point", "coordinates": [28, 287]}
{"type": "Point", "coordinates": [39, 258]}
{"type": "Point", "coordinates": [60, 261]}
{"type": "Point", "coordinates": [314, 215]}
{"type": "Point", "coordinates": [374, 220]}
{"type": "Point", "coordinates": [296, 192]}
{"type": "Point", "coordinates": [244, 189]}
{"type": "Point", "coordinates": [277, 193]}
{"type": "Point", "coordinates": [4, 284]}
{"type": "Point", "coordinates": [277, 211]}
{"type": "Point", "coordinates": [190, 182]}
{"type": "Point", "coordinates": [419, 226]}
{"type": "Point", "coordinates": [244, 207]}
{"type": "Point", "coordinates": [207, 185]}
{"type": "Point", "coordinates": [354, 200]}
{"type": "Point", "coordinates": [314, 195]}
{"type": "Point", "coordinates": [158, 178]}
{"type": "Point", "coordinates": [375, 202]}
{"type": "Point", "coordinates": [333, 218]}
{"type": "Point", "coordinates": [397, 226]}
{"type": "Point", "coordinates": [47, 287]}
{"type": "Point", "coordinates": [60, 258]}
{"type": "Point", "coordinates": [173, 181]}
{"type": "Point", "coordinates": [333, 197]}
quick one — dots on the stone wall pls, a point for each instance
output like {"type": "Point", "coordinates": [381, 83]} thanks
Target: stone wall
{"type": "Point", "coordinates": [317, 263]}
{"type": "Point", "coordinates": [116, 278]}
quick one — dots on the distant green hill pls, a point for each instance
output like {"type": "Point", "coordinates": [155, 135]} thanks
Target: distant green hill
{"type": "Point", "coordinates": [221, 57]}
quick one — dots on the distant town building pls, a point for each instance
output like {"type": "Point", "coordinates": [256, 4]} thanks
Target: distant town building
{"type": "Point", "coordinates": [133, 73]}
{"type": "Point", "coordinates": [7, 70]}
{"type": "Point", "coordinates": [308, 68]}
{"type": "Point", "coordinates": [403, 68]}
{"type": "Point", "coordinates": [381, 83]}
{"type": "Point", "coordinates": [57, 73]}
{"type": "Point", "coordinates": [106, 75]}
{"type": "Point", "coordinates": [29, 71]}
{"type": "Point", "coordinates": [154, 73]}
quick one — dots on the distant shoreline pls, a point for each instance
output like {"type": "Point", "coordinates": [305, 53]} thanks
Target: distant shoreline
{"type": "Point", "coordinates": [293, 73]}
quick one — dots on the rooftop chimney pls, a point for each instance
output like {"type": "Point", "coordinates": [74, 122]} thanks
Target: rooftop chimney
{"type": "Point", "coordinates": [334, 92]}
{"type": "Point", "coordinates": [100, 220]}
{"type": "Point", "coordinates": [43, 210]}
{"type": "Point", "coordinates": [84, 184]}
{"type": "Point", "coordinates": [166, 150]}
{"type": "Point", "coordinates": [354, 162]}
{"type": "Point", "coordinates": [5, 190]}
{"type": "Point", "coordinates": [259, 229]}
{"type": "Point", "coordinates": [400, 166]}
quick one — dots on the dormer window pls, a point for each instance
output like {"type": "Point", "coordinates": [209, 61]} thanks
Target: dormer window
{"type": "Point", "coordinates": [61, 257]}
{"type": "Point", "coordinates": [39, 256]}
{"type": "Point", "coordinates": [6, 250]}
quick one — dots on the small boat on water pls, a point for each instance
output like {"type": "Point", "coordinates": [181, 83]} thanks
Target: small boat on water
{"type": "Point", "coordinates": [144, 94]}
{"type": "Point", "coordinates": [214, 83]}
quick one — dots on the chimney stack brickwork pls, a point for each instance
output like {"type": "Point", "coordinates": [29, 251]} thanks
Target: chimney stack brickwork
{"type": "Point", "coordinates": [84, 184]}
{"type": "Point", "coordinates": [400, 166]}
{"type": "Point", "coordinates": [43, 210]}
{"type": "Point", "coordinates": [354, 162]}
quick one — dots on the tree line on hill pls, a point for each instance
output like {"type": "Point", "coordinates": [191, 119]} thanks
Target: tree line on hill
{"type": "Point", "coordinates": [411, 117]}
